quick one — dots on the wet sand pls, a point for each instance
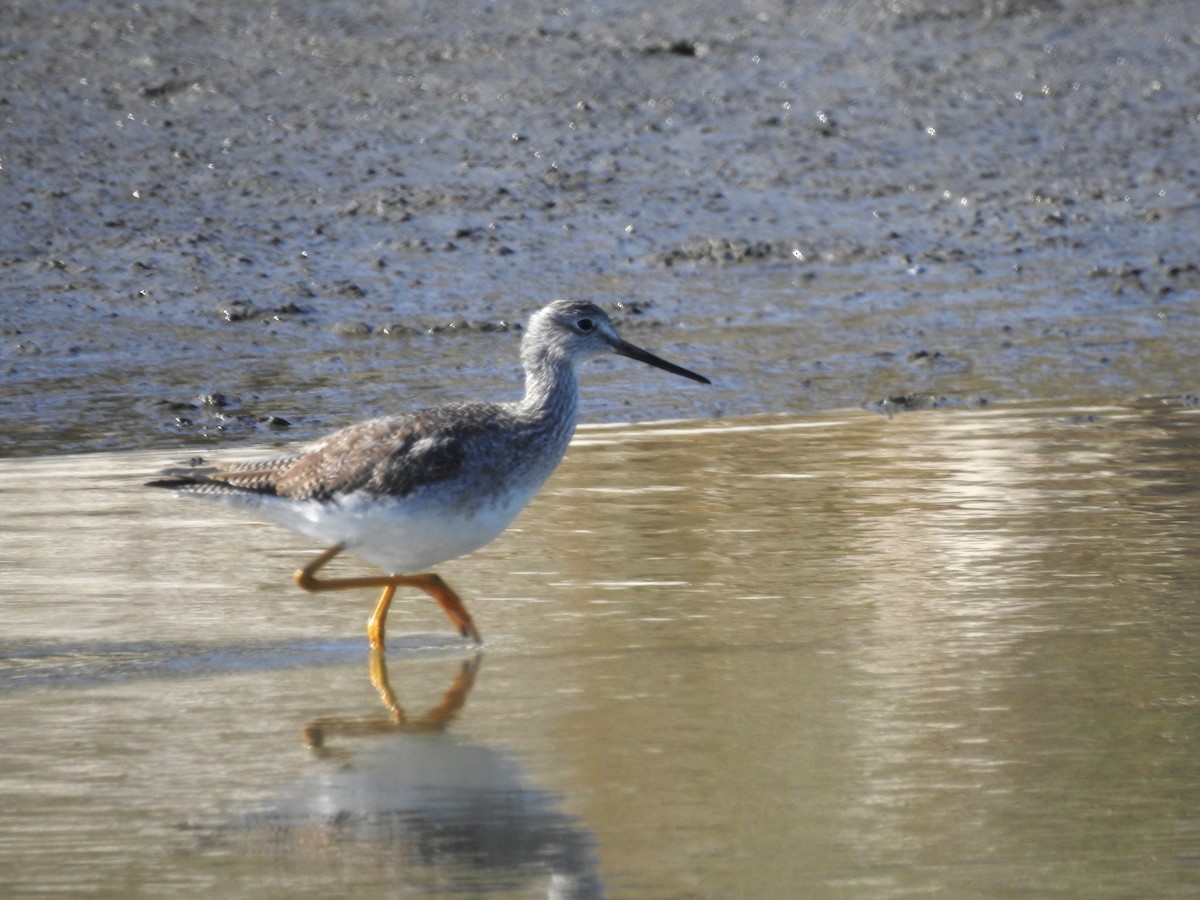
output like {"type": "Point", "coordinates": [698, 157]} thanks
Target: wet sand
{"type": "Point", "coordinates": [233, 224]}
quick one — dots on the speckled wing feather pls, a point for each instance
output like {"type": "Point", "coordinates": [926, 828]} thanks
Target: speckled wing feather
{"type": "Point", "coordinates": [255, 477]}
{"type": "Point", "coordinates": [393, 455]}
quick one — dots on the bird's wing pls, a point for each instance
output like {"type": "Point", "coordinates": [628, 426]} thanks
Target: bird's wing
{"type": "Point", "coordinates": [392, 455]}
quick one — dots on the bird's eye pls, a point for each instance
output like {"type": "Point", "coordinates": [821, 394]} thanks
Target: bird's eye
{"type": "Point", "coordinates": [585, 325]}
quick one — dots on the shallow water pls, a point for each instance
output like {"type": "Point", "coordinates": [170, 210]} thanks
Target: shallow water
{"type": "Point", "coordinates": [950, 652]}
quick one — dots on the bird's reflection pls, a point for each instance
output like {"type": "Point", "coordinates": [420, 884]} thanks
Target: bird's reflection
{"type": "Point", "coordinates": [408, 804]}
{"type": "Point", "coordinates": [318, 732]}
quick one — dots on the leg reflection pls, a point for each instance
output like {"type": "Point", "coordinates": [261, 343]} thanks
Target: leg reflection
{"type": "Point", "coordinates": [436, 718]}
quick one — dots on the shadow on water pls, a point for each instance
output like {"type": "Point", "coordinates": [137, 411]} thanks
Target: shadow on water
{"type": "Point", "coordinates": [87, 664]}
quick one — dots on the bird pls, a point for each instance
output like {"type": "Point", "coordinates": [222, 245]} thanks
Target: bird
{"type": "Point", "coordinates": [409, 491]}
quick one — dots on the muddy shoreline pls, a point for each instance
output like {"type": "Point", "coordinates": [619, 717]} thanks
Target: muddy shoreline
{"type": "Point", "coordinates": [230, 225]}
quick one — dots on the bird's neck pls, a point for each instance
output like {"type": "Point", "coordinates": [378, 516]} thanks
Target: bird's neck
{"type": "Point", "coordinates": [551, 395]}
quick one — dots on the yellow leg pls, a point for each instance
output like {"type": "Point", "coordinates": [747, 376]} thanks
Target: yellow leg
{"type": "Point", "coordinates": [375, 623]}
{"type": "Point", "coordinates": [431, 584]}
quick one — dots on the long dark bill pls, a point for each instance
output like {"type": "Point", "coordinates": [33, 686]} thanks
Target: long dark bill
{"type": "Point", "coordinates": [626, 349]}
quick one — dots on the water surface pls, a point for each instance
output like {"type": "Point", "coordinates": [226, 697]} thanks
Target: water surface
{"type": "Point", "coordinates": [952, 652]}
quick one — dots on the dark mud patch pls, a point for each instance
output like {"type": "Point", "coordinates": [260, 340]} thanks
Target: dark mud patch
{"type": "Point", "coordinates": [890, 406]}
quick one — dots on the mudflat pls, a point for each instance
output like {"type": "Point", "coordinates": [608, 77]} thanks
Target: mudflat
{"type": "Point", "coordinates": [234, 223]}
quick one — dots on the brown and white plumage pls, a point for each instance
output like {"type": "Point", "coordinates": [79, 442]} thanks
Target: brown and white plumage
{"type": "Point", "coordinates": [407, 492]}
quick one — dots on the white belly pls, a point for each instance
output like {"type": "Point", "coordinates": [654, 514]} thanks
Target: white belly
{"type": "Point", "coordinates": [407, 536]}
